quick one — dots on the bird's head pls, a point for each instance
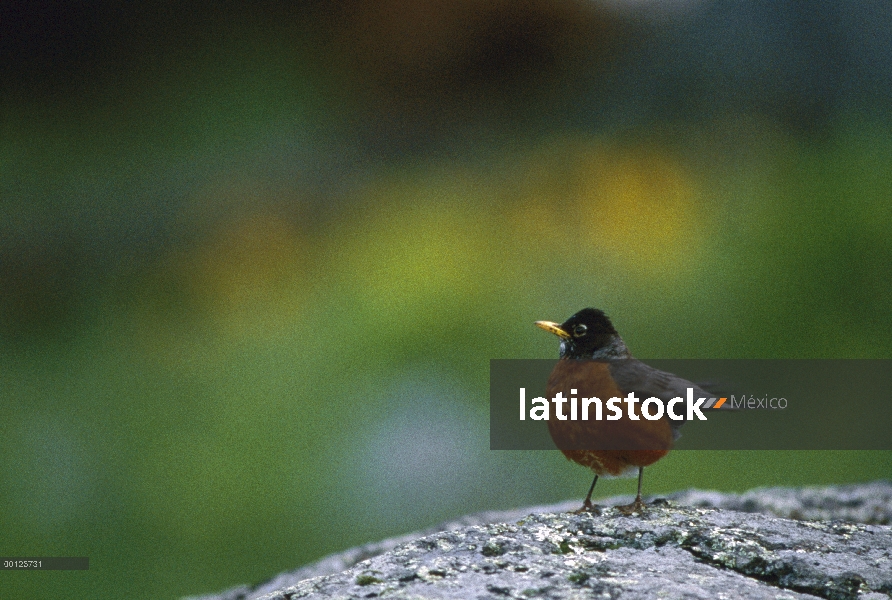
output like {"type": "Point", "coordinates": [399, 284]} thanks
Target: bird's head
{"type": "Point", "coordinates": [587, 334]}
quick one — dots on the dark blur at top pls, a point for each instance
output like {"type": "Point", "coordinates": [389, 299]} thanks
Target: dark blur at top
{"type": "Point", "coordinates": [449, 64]}
{"type": "Point", "coordinates": [434, 70]}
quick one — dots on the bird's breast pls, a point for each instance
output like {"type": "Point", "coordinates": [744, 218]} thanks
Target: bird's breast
{"type": "Point", "coordinates": [606, 446]}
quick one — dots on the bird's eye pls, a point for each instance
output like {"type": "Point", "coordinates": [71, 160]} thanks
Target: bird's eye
{"type": "Point", "coordinates": [579, 330]}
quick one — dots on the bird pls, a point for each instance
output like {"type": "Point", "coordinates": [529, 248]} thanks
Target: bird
{"type": "Point", "coordinates": [595, 362]}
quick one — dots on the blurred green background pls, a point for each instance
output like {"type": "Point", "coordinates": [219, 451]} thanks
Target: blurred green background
{"type": "Point", "coordinates": [254, 260]}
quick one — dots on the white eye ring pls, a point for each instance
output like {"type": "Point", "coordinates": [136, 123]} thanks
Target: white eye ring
{"type": "Point", "coordinates": [579, 330]}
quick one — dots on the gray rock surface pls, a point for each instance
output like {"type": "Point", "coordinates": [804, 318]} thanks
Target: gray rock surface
{"type": "Point", "coordinates": [861, 503]}
{"type": "Point", "coordinates": [828, 542]}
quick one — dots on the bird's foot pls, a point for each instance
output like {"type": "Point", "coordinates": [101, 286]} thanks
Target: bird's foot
{"type": "Point", "coordinates": [588, 507]}
{"type": "Point", "coordinates": [635, 507]}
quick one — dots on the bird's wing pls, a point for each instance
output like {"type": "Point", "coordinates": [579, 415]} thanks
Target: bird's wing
{"type": "Point", "coordinates": [632, 375]}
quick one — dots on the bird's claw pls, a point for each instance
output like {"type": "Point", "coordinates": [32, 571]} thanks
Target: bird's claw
{"type": "Point", "coordinates": [635, 507]}
{"type": "Point", "coordinates": [588, 507]}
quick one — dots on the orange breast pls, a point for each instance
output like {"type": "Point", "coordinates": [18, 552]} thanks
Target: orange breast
{"type": "Point", "coordinates": [606, 447]}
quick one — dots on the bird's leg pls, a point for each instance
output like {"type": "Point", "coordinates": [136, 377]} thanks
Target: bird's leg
{"type": "Point", "coordinates": [636, 506]}
{"type": "Point", "coordinates": [587, 505]}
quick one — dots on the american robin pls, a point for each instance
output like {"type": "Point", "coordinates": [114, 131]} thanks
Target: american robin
{"type": "Point", "coordinates": [595, 362]}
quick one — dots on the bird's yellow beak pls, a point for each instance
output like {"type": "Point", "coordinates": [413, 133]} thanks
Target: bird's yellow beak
{"type": "Point", "coordinates": [554, 328]}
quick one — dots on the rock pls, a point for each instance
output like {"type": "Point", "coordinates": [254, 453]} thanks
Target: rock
{"type": "Point", "coordinates": [862, 503]}
{"type": "Point", "coordinates": [699, 544]}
